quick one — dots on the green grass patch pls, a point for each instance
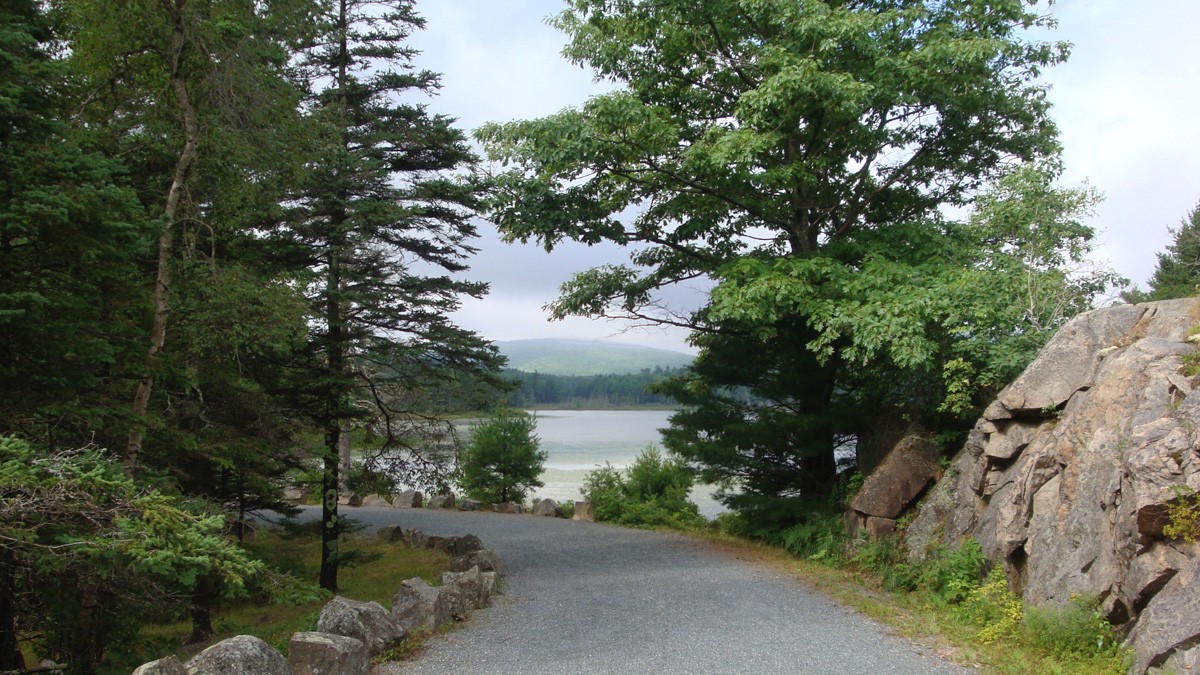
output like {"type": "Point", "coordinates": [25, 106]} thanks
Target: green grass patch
{"type": "Point", "coordinates": [371, 570]}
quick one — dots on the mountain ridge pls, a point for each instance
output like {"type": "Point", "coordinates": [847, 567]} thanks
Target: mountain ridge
{"type": "Point", "coordinates": [559, 356]}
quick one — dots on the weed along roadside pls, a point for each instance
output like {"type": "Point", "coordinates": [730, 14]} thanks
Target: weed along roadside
{"type": "Point", "coordinates": [341, 634]}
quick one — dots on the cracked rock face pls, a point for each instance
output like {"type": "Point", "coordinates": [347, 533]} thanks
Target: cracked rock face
{"type": "Point", "coordinates": [1068, 475]}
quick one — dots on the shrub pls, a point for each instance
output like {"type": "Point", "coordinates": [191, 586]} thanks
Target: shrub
{"type": "Point", "coordinates": [653, 492]}
{"type": "Point", "coordinates": [994, 607]}
{"type": "Point", "coordinates": [1076, 630]}
{"type": "Point", "coordinates": [90, 556]}
{"type": "Point", "coordinates": [821, 536]}
{"type": "Point", "coordinates": [1183, 515]}
{"type": "Point", "coordinates": [950, 575]}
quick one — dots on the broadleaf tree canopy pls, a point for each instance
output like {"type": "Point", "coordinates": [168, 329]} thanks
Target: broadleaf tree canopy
{"type": "Point", "coordinates": [799, 155]}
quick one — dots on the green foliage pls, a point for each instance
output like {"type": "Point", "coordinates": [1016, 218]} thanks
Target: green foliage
{"type": "Point", "coordinates": [502, 461]}
{"type": "Point", "coordinates": [652, 492]}
{"type": "Point", "coordinates": [1190, 363]}
{"type": "Point", "coordinates": [799, 155]}
{"type": "Point", "coordinates": [71, 237]}
{"type": "Point", "coordinates": [994, 608]}
{"type": "Point", "coordinates": [949, 575]}
{"type": "Point", "coordinates": [821, 537]}
{"type": "Point", "coordinates": [1076, 630]}
{"type": "Point", "coordinates": [1183, 515]}
{"type": "Point", "coordinates": [380, 225]}
{"type": "Point", "coordinates": [365, 481]}
{"type": "Point", "coordinates": [286, 599]}
{"type": "Point", "coordinates": [90, 555]}
{"type": "Point", "coordinates": [1076, 633]}
{"type": "Point", "coordinates": [1178, 272]}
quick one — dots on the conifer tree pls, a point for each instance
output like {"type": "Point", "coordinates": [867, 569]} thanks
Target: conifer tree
{"type": "Point", "coordinates": [1177, 274]}
{"type": "Point", "coordinates": [382, 228]}
{"type": "Point", "coordinates": [70, 243]}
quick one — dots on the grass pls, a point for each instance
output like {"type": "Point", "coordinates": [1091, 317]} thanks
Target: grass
{"type": "Point", "coordinates": [372, 570]}
{"type": "Point", "coordinates": [1040, 641]}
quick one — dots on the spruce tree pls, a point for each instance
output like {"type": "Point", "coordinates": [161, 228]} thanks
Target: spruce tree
{"type": "Point", "coordinates": [70, 243]}
{"type": "Point", "coordinates": [1178, 272]}
{"type": "Point", "coordinates": [382, 227]}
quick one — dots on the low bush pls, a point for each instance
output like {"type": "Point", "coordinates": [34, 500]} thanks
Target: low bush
{"type": "Point", "coordinates": [1078, 629]}
{"type": "Point", "coordinates": [652, 492]}
{"type": "Point", "coordinates": [947, 574]}
{"type": "Point", "coordinates": [821, 536]}
{"type": "Point", "coordinates": [993, 607]}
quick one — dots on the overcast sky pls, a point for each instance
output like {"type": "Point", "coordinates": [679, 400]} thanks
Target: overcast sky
{"type": "Point", "coordinates": [1126, 104]}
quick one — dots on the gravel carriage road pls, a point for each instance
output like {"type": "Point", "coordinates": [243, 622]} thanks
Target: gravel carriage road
{"type": "Point", "coordinates": [590, 598]}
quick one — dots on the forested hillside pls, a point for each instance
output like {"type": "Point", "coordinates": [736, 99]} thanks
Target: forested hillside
{"type": "Point", "coordinates": [582, 357]}
{"type": "Point", "coordinates": [588, 392]}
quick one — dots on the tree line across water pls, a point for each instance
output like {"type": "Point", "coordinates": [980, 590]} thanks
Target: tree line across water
{"type": "Point", "coordinates": [232, 238]}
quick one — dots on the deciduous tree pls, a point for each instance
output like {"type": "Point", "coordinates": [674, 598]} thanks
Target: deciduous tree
{"type": "Point", "coordinates": [798, 154]}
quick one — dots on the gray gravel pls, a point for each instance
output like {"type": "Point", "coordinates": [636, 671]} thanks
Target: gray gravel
{"type": "Point", "coordinates": [591, 598]}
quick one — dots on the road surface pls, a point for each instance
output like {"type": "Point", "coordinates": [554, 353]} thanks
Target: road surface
{"type": "Point", "coordinates": [591, 598]}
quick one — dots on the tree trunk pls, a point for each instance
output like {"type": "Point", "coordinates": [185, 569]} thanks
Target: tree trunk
{"type": "Point", "coordinates": [166, 240]}
{"type": "Point", "coordinates": [330, 527]}
{"type": "Point", "coordinates": [344, 460]}
{"type": "Point", "coordinates": [10, 653]}
{"type": "Point", "coordinates": [335, 346]}
{"type": "Point", "coordinates": [203, 594]}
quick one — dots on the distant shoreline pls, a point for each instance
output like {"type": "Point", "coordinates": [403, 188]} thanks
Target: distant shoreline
{"type": "Point", "coordinates": [593, 408]}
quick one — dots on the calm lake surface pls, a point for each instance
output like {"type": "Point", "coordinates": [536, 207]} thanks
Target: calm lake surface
{"type": "Point", "coordinates": [578, 441]}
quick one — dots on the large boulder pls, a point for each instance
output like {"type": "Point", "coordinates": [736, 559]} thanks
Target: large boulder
{"type": "Point", "coordinates": [392, 534]}
{"type": "Point", "coordinates": [547, 508]}
{"type": "Point", "coordinates": [902, 475]}
{"type": "Point", "coordinates": [375, 501]}
{"type": "Point", "coordinates": [470, 505]}
{"type": "Point", "coordinates": [470, 590]}
{"type": "Point", "coordinates": [583, 511]}
{"type": "Point", "coordinates": [409, 499]}
{"type": "Point", "coordinates": [508, 507]}
{"type": "Point", "coordinates": [1067, 478]}
{"type": "Point", "coordinates": [328, 654]}
{"type": "Point", "coordinates": [367, 622]}
{"type": "Point", "coordinates": [442, 501]}
{"type": "Point", "coordinates": [416, 538]}
{"type": "Point", "coordinates": [1069, 362]}
{"type": "Point", "coordinates": [164, 666]}
{"type": "Point", "coordinates": [419, 606]}
{"type": "Point", "coordinates": [238, 656]}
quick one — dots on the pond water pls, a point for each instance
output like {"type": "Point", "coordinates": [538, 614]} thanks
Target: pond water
{"type": "Point", "coordinates": [578, 441]}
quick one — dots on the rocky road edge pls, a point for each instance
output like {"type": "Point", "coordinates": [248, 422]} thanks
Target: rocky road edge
{"type": "Point", "coordinates": [350, 633]}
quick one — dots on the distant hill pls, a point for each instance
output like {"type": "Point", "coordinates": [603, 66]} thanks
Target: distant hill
{"type": "Point", "coordinates": [587, 357]}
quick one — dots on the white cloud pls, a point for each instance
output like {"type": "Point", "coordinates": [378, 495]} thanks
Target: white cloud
{"type": "Point", "coordinates": [1125, 103]}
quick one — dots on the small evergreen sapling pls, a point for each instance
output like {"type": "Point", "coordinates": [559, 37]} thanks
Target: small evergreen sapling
{"type": "Point", "coordinates": [502, 461]}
